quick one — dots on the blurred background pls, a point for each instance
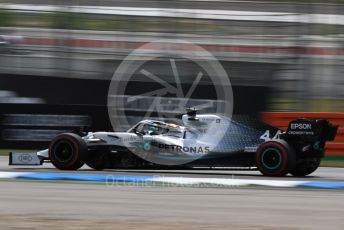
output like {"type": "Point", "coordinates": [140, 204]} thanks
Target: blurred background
{"type": "Point", "coordinates": [58, 57]}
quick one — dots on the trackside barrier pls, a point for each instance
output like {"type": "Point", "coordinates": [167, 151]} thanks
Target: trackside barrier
{"type": "Point", "coordinates": [281, 120]}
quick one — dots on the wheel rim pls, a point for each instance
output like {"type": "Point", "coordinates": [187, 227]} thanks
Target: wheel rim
{"type": "Point", "coordinates": [63, 151]}
{"type": "Point", "coordinates": [271, 158]}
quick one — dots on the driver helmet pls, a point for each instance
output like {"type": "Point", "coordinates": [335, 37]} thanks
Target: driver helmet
{"type": "Point", "coordinates": [151, 130]}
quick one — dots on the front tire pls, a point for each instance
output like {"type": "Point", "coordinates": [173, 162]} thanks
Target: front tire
{"type": "Point", "coordinates": [68, 151]}
{"type": "Point", "coordinates": [306, 166]}
{"type": "Point", "coordinates": [275, 158]}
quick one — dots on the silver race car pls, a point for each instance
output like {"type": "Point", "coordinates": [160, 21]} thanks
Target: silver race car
{"type": "Point", "coordinates": [205, 140]}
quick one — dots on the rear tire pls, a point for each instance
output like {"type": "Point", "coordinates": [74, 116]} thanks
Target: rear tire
{"type": "Point", "coordinates": [275, 158]}
{"type": "Point", "coordinates": [306, 166]}
{"type": "Point", "coordinates": [68, 151]}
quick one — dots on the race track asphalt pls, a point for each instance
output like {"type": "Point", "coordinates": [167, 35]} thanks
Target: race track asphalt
{"type": "Point", "coordinates": [233, 208]}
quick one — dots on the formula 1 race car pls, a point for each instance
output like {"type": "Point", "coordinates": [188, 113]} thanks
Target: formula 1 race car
{"type": "Point", "coordinates": [205, 140]}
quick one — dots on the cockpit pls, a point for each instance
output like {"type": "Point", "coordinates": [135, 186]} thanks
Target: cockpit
{"type": "Point", "coordinates": [159, 128]}
{"type": "Point", "coordinates": [149, 129]}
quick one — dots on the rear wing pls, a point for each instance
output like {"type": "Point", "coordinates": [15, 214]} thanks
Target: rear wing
{"type": "Point", "coordinates": [311, 130]}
